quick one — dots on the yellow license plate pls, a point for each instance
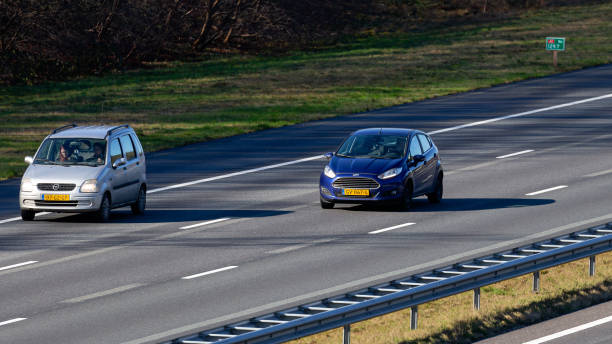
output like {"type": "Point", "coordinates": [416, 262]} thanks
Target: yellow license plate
{"type": "Point", "coordinates": [356, 192]}
{"type": "Point", "coordinates": [56, 197]}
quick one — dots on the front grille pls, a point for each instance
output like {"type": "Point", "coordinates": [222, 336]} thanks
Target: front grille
{"type": "Point", "coordinates": [355, 183]}
{"type": "Point", "coordinates": [61, 187]}
{"type": "Point", "coordinates": [56, 203]}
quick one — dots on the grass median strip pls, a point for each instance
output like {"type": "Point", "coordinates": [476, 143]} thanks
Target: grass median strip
{"type": "Point", "coordinates": [181, 103]}
{"type": "Point", "coordinates": [504, 306]}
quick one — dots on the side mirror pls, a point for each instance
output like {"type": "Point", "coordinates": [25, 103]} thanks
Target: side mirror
{"type": "Point", "coordinates": [29, 160]}
{"type": "Point", "coordinates": [418, 158]}
{"type": "Point", "coordinates": [328, 155]}
{"type": "Point", "coordinates": [119, 162]}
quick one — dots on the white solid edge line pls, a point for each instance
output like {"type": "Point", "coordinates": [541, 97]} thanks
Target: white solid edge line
{"type": "Point", "coordinates": [10, 220]}
{"type": "Point", "coordinates": [570, 331]}
{"type": "Point", "coordinates": [496, 119]}
{"type": "Point", "coordinates": [205, 223]}
{"type": "Point", "coordinates": [514, 154]}
{"type": "Point", "coordinates": [546, 190]}
{"type": "Point", "coordinates": [239, 173]}
{"type": "Point", "coordinates": [209, 272]}
{"type": "Point", "coordinates": [19, 217]}
{"type": "Point", "coordinates": [18, 265]}
{"type": "Point", "coordinates": [467, 125]}
{"type": "Point", "coordinates": [11, 321]}
{"type": "Point", "coordinates": [391, 228]}
{"type": "Point", "coordinates": [430, 133]}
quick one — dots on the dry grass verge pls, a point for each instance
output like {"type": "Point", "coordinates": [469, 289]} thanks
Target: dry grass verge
{"type": "Point", "coordinates": [504, 306]}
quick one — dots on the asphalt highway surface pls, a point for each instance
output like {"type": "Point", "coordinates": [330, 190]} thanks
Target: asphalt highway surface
{"type": "Point", "coordinates": [592, 325]}
{"type": "Point", "coordinates": [233, 227]}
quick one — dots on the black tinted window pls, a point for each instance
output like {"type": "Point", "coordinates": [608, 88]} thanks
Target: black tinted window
{"type": "Point", "coordinates": [424, 142]}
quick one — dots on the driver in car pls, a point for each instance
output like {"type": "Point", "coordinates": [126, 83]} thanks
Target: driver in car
{"type": "Point", "coordinates": [98, 153]}
{"type": "Point", "coordinates": [65, 153]}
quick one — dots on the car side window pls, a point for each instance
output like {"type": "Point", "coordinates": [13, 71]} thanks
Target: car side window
{"type": "Point", "coordinates": [415, 147]}
{"type": "Point", "coordinates": [115, 151]}
{"type": "Point", "coordinates": [128, 147]}
{"type": "Point", "coordinates": [136, 144]}
{"type": "Point", "coordinates": [424, 142]}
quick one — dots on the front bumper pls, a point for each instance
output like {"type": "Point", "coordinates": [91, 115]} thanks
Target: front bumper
{"type": "Point", "coordinates": [388, 191]}
{"type": "Point", "coordinates": [79, 202]}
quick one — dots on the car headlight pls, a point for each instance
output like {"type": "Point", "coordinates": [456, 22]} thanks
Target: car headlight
{"type": "Point", "coordinates": [26, 185]}
{"type": "Point", "coordinates": [90, 185]}
{"type": "Point", "coordinates": [329, 172]}
{"type": "Point", "coordinates": [391, 173]}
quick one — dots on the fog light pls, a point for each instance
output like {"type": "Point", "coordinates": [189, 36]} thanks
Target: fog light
{"type": "Point", "coordinates": [325, 191]}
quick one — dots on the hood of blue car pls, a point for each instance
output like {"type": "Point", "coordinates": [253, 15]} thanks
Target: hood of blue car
{"type": "Point", "coordinates": [362, 165]}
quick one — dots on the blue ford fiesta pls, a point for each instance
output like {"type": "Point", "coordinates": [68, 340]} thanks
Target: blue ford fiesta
{"type": "Point", "coordinates": [382, 165]}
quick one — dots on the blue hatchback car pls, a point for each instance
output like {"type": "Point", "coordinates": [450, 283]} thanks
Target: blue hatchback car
{"type": "Point", "coordinates": [382, 165]}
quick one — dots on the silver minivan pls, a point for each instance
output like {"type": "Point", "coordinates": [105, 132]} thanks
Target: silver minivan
{"type": "Point", "coordinates": [85, 169]}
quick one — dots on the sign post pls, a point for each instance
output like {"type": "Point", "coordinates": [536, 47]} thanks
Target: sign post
{"type": "Point", "coordinates": [555, 44]}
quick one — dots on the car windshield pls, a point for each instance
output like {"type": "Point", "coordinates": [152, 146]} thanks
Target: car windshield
{"type": "Point", "coordinates": [373, 146]}
{"type": "Point", "coordinates": [72, 151]}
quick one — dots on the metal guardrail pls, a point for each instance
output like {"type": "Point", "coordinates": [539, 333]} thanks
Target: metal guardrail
{"type": "Point", "coordinates": [411, 291]}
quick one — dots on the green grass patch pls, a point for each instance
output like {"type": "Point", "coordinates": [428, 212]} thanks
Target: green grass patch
{"type": "Point", "coordinates": [181, 103]}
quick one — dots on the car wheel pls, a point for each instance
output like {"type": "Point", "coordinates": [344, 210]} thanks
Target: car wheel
{"type": "Point", "coordinates": [139, 206]}
{"type": "Point", "coordinates": [436, 195]}
{"type": "Point", "coordinates": [27, 215]}
{"type": "Point", "coordinates": [406, 201]}
{"type": "Point", "coordinates": [326, 204]}
{"type": "Point", "coordinates": [105, 209]}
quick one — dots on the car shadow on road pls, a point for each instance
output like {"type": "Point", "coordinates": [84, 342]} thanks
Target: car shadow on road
{"type": "Point", "coordinates": [124, 215]}
{"type": "Point", "coordinates": [459, 204]}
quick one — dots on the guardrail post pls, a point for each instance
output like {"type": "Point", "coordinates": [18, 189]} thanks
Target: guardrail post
{"type": "Point", "coordinates": [414, 317]}
{"type": "Point", "coordinates": [592, 266]}
{"type": "Point", "coordinates": [347, 334]}
{"type": "Point", "coordinates": [536, 281]}
{"type": "Point", "coordinates": [477, 298]}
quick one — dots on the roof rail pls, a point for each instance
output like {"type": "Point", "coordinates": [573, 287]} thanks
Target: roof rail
{"type": "Point", "coordinates": [110, 131]}
{"type": "Point", "coordinates": [57, 130]}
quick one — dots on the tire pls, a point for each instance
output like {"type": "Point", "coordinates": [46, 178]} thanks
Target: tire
{"type": "Point", "coordinates": [436, 195]}
{"type": "Point", "coordinates": [326, 204]}
{"type": "Point", "coordinates": [27, 215]}
{"type": "Point", "coordinates": [103, 214]}
{"type": "Point", "coordinates": [406, 201]}
{"type": "Point", "coordinates": [138, 208]}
